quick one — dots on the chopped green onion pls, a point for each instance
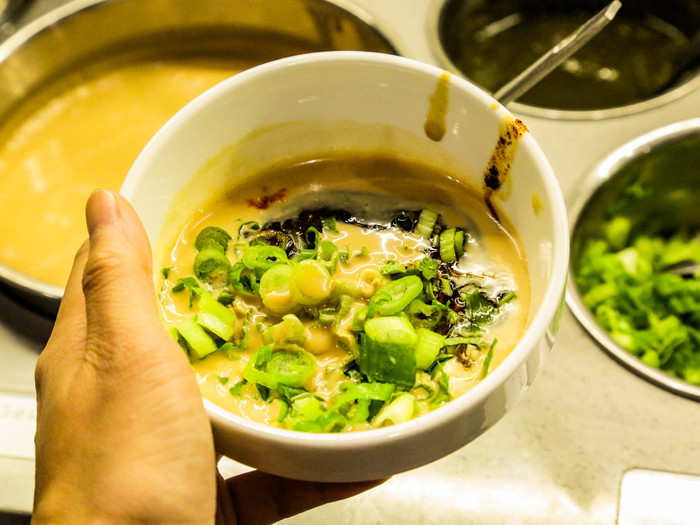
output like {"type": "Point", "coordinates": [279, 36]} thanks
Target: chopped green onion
{"type": "Point", "coordinates": [392, 268]}
{"type": "Point", "coordinates": [398, 411]}
{"type": "Point", "coordinates": [283, 409]}
{"type": "Point", "coordinates": [425, 315]}
{"type": "Point", "coordinates": [223, 380]}
{"type": "Point", "coordinates": [487, 360]}
{"type": "Point", "coordinates": [215, 317]}
{"type": "Point", "coordinates": [289, 366]}
{"type": "Point", "coordinates": [427, 347]}
{"type": "Point", "coordinates": [278, 290]}
{"type": "Point", "coordinates": [426, 223]}
{"type": "Point", "coordinates": [327, 316]}
{"type": "Point", "coordinates": [313, 282]}
{"type": "Point", "coordinates": [447, 245]}
{"type": "Point", "coordinates": [212, 237]}
{"type": "Point", "coordinates": [289, 330]}
{"type": "Point", "coordinates": [306, 253]}
{"type": "Point", "coordinates": [329, 224]}
{"type": "Point", "coordinates": [165, 271]}
{"type": "Point", "coordinates": [198, 341]}
{"type": "Point", "coordinates": [261, 258]}
{"type": "Point", "coordinates": [246, 229]}
{"type": "Point", "coordinates": [393, 297]}
{"type": "Point", "coordinates": [312, 236]}
{"type": "Point", "coordinates": [212, 266]}
{"type": "Point", "coordinates": [243, 279]}
{"type": "Point", "coordinates": [387, 350]}
{"type": "Point", "coordinates": [459, 243]}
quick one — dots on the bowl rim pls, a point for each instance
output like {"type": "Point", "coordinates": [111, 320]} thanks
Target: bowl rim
{"type": "Point", "coordinates": [603, 171]}
{"type": "Point", "coordinates": [551, 301]}
{"type": "Point", "coordinates": [52, 293]}
{"type": "Point", "coordinates": [433, 19]}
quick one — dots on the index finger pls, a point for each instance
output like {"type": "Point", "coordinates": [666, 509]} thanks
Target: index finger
{"type": "Point", "coordinates": [70, 326]}
{"type": "Point", "coordinates": [263, 498]}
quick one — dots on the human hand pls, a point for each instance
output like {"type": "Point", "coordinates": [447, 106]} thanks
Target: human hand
{"type": "Point", "coordinates": [122, 435]}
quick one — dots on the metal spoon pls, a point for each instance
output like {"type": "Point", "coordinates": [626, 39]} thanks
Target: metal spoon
{"type": "Point", "coordinates": [544, 65]}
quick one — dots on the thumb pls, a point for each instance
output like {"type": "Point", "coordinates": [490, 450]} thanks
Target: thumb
{"type": "Point", "coordinates": [117, 281]}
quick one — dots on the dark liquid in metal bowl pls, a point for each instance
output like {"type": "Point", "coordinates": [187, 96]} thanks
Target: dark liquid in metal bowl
{"type": "Point", "coordinates": [631, 60]}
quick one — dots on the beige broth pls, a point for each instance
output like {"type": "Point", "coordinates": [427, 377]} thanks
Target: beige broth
{"type": "Point", "coordinates": [494, 253]}
{"type": "Point", "coordinates": [85, 137]}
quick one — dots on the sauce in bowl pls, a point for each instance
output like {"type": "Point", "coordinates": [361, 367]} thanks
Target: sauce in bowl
{"type": "Point", "coordinates": [370, 248]}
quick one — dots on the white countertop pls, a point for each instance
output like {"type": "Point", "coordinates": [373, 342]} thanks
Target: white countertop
{"type": "Point", "coordinates": [558, 457]}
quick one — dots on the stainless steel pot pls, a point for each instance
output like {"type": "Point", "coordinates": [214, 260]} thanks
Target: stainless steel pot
{"type": "Point", "coordinates": [85, 32]}
{"type": "Point", "coordinates": [681, 15]}
{"type": "Point", "coordinates": [670, 157]}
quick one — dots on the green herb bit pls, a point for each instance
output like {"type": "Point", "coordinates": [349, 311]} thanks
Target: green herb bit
{"type": "Point", "coordinates": [212, 237]}
{"type": "Point", "coordinates": [235, 390]}
{"type": "Point", "coordinates": [263, 391]}
{"type": "Point", "coordinates": [362, 252]}
{"type": "Point", "coordinates": [506, 298]}
{"type": "Point", "coordinates": [344, 254]}
{"type": "Point", "coordinates": [393, 268]}
{"type": "Point", "coordinates": [443, 382]}
{"type": "Point", "coordinates": [223, 380]}
{"type": "Point", "coordinates": [428, 268]}
{"type": "Point", "coordinates": [226, 297]}
{"type": "Point", "coordinates": [487, 360]}
{"type": "Point", "coordinates": [165, 271]}
{"type": "Point", "coordinates": [191, 285]}
{"type": "Point", "coordinates": [329, 224]}
{"type": "Point", "coordinates": [290, 393]}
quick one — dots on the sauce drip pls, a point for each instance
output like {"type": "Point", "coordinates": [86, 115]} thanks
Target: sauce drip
{"type": "Point", "coordinates": [434, 126]}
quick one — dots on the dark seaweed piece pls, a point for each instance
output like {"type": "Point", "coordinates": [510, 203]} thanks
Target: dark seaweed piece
{"type": "Point", "coordinates": [406, 219]}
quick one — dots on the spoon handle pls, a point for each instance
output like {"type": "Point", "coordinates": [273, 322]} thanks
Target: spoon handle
{"type": "Point", "coordinates": [544, 65]}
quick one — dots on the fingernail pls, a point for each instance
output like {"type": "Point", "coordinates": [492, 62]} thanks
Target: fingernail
{"type": "Point", "coordinates": [101, 210]}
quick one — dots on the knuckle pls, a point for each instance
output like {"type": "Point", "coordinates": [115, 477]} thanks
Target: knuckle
{"type": "Point", "coordinates": [101, 268]}
{"type": "Point", "coordinates": [40, 371]}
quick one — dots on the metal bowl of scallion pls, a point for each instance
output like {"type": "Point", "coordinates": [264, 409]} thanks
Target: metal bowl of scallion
{"type": "Point", "coordinates": [635, 249]}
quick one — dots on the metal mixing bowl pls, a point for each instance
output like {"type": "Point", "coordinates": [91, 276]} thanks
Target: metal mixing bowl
{"type": "Point", "coordinates": [668, 160]}
{"type": "Point", "coordinates": [83, 33]}
{"type": "Point", "coordinates": [681, 16]}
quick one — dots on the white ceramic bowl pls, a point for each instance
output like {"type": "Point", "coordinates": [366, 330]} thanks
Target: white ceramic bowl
{"type": "Point", "coordinates": [324, 101]}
